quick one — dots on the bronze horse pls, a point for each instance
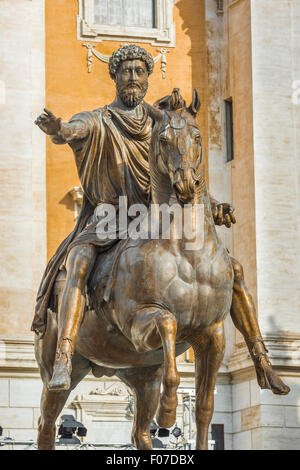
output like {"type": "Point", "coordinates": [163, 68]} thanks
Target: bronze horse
{"type": "Point", "coordinates": [164, 297]}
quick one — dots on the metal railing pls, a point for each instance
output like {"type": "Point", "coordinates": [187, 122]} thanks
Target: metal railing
{"type": "Point", "coordinates": [7, 443]}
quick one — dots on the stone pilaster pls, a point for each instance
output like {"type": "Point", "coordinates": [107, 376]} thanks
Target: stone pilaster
{"type": "Point", "coordinates": [262, 420]}
{"type": "Point", "coordinates": [22, 163]}
{"type": "Point", "coordinates": [23, 209]}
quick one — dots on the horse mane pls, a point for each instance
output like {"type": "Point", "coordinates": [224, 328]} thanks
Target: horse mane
{"type": "Point", "coordinates": [175, 103]}
{"type": "Point", "coordinates": [171, 102]}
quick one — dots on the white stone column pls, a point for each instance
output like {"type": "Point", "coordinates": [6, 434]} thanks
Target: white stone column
{"type": "Point", "coordinates": [276, 66]}
{"type": "Point", "coordinates": [262, 420]}
{"type": "Point", "coordinates": [22, 161]}
{"type": "Point", "coordinates": [22, 209]}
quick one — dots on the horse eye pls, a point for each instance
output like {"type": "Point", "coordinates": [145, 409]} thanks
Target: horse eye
{"type": "Point", "coordinates": [198, 138]}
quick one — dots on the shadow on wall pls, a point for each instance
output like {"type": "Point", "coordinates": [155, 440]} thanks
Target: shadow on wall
{"type": "Point", "coordinates": [192, 14]}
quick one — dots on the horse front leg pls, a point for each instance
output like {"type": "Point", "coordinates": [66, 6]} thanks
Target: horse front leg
{"type": "Point", "coordinates": [209, 347]}
{"type": "Point", "coordinates": [166, 413]}
{"type": "Point", "coordinates": [151, 329]}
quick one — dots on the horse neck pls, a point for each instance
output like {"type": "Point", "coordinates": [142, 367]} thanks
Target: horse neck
{"type": "Point", "coordinates": [164, 193]}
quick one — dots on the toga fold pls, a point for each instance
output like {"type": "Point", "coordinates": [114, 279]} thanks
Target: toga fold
{"type": "Point", "coordinates": [112, 161]}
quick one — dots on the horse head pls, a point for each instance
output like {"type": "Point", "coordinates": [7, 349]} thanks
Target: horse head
{"type": "Point", "coordinates": [176, 149]}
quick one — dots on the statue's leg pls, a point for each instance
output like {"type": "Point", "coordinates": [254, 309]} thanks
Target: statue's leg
{"type": "Point", "coordinates": [151, 328]}
{"type": "Point", "coordinates": [52, 402]}
{"type": "Point", "coordinates": [209, 347]}
{"type": "Point", "coordinates": [243, 315]}
{"type": "Point", "coordinates": [79, 264]}
{"type": "Point", "coordinates": [145, 383]}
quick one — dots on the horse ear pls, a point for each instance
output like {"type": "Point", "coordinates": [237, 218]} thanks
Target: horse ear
{"type": "Point", "coordinates": [163, 103]}
{"type": "Point", "coordinates": [155, 113]}
{"type": "Point", "coordinates": [195, 104]}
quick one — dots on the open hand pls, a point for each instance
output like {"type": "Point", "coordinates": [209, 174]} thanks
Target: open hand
{"type": "Point", "coordinates": [49, 123]}
{"type": "Point", "coordinates": [223, 214]}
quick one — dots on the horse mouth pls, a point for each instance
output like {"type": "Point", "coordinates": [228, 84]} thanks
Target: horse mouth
{"type": "Point", "coordinates": [183, 195]}
{"type": "Point", "coordinates": [184, 187]}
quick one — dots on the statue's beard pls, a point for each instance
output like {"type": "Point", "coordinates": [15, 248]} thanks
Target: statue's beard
{"type": "Point", "coordinates": [131, 95]}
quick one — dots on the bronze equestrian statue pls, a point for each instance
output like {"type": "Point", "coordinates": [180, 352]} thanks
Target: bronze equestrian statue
{"type": "Point", "coordinates": [130, 311]}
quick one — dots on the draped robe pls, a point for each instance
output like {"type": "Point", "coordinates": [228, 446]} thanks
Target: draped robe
{"type": "Point", "coordinates": [112, 161]}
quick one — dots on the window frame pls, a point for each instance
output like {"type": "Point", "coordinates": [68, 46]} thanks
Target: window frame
{"type": "Point", "coordinates": [217, 435]}
{"type": "Point", "coordinates": [162, 35]}
{"type": "Point", "coordinates": [229, 129]}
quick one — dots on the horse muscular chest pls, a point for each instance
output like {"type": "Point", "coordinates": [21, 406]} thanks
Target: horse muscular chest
{"type": "Point", "coordinates": [196, 287]}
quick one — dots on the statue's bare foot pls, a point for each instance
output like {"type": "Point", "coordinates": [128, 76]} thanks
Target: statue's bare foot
{"type": "Point", "coordinates": [268, 379]}
{"type": "Point", "coordinates": [61, 378]}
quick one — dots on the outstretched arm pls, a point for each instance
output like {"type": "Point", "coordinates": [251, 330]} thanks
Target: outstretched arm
{"type": "Point", "coordinates": [222, 212]}
{"type": "Point", "coordinates": [61, 132]}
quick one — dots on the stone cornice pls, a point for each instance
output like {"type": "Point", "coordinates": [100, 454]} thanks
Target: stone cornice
{"type": "Point", "coordinates": [17, 359]}
{"type": "Point", "coordinates": [17, 354]}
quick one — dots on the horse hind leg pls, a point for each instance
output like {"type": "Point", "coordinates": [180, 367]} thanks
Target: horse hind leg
{"type": "Point", "coordinates": [52, 404]}
{"type": "Point", "coordinates": [150, 330]}
{"type": "Point", "coordinates": [145, 383]}
{"type": "Point", "coordinates": [209, 347]}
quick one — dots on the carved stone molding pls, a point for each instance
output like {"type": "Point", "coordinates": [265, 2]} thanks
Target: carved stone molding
{"type": "Point", "coordinates": [163, 34]}
{"type": "Point", "coordinates": [17, 357]}
{"type": "Point", "coordinates": [117, 389]}
{"type": "Point", "coordinates": [91, 52]}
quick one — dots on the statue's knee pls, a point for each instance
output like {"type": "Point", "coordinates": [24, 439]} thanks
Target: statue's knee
{"type": "Point", "coordinates": [78, 270]}
{"type": "Point", "coordinates": [238, 270]}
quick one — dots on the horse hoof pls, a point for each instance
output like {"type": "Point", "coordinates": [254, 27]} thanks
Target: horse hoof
{"type": "Point", "coordinates": [142, 441]}
{"type": "Point", "coordinates": [46, 447]}
{"type": "Point", "coordinates": [165, 418]}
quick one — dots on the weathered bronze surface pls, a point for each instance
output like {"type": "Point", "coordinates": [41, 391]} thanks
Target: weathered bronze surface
{"type": "Point", "coordinates": [129, 308]}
